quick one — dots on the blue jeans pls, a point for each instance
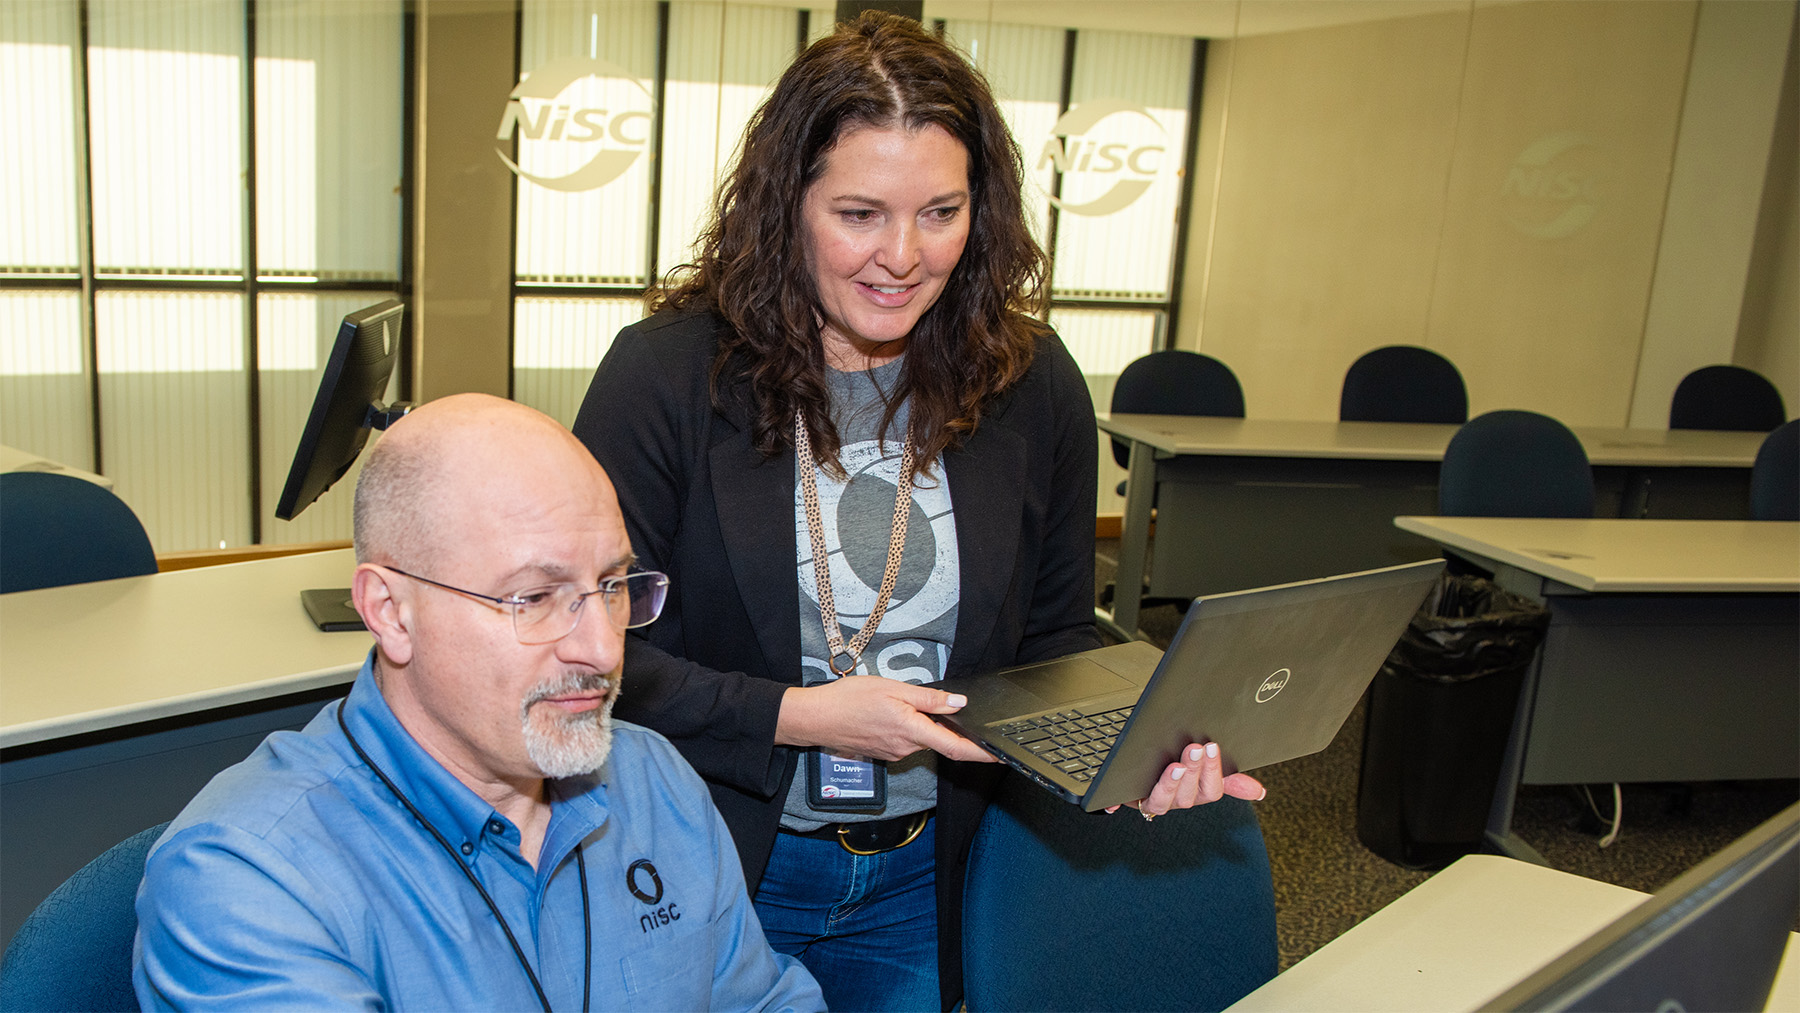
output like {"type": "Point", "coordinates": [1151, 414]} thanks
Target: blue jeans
{"type": "Point", "coordinates": [864, 925]}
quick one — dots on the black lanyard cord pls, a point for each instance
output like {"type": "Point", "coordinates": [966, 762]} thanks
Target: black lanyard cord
{"type": "Point", "coordinates": [587, 932]}
{"type": "Point", "coordinates": [587, 929]}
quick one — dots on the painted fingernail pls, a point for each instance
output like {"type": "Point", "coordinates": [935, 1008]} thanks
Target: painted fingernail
{"type": "Point", "coordinates": [1176, 775]}
{"type": "Point", "coordinates": [1264, 795]}
{"type": "Point", "coordinates": [1212, 749]}
{"type": "Point", "coordinates": [957, 700]}
{"type": "Point", "coordinates": [1194, 755]}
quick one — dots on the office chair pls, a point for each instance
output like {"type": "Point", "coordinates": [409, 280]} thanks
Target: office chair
{"type": "Point", "coordinates": [1515, 464]}
{"type": "Point", "coordinates": [1171, 382]}
{"type": "Point", "coordinates": [1775, 477]}
{"type": "Point", "coordinates": [1403, 383]}
{"type": "Point", "coordinates": [74, 951]}
{"type": "Point", "coordinates": [58, 529]}
{"type": "Point", "coordinates": [1174, 382]}
{"type": "Point", "coordinates": [1726, 397]}
{"type": "Point", "coordinates": [1067, 910]}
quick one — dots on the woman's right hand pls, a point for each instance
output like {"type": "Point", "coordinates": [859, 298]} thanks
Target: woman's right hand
{"type": "Point", "coordinates": [867, 715]}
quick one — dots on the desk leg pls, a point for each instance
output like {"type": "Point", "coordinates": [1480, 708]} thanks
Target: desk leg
{"type": "Point", "coordinates": [1134, 544]}
{"type": "Point", "coordinates": [1500, 836]}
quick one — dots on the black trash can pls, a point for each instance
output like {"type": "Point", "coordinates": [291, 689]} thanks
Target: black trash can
{"type": "Point", "coordinates": [1438, 716]}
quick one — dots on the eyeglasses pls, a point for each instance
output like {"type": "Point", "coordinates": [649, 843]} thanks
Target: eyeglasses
{"type": "Point", "coordinates": [544, 615]}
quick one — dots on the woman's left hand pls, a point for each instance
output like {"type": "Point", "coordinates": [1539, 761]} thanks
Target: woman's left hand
{"type": "Point", "coordinates": [1196, 779]}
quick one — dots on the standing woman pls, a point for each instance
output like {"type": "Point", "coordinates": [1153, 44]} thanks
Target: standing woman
{"type": "Point", "coordinates": [865, 467]}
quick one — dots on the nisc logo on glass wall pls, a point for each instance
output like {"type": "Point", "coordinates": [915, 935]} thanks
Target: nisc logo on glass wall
{"type": "Point", "coordinates": [583, 122]}
{"type": "Point", "coordinates": [1102, 142]}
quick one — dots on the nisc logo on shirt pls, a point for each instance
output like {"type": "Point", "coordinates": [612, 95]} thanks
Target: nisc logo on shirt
{"type": "Point", "coordinates": [643, 882]}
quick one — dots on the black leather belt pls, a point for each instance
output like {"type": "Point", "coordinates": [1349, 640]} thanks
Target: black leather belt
{"type": "Point", "coordinates": [871, 837]}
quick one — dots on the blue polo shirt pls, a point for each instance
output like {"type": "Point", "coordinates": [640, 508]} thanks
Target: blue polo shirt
{"type": "Point", "coordinates": [295, 880]}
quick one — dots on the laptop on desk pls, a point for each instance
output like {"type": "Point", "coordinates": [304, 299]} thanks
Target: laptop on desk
{"type": "Point", "coordinates": [1269, 674]}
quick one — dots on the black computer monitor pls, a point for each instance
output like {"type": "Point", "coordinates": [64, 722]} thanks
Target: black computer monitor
{"type": "Point", "coordinates": [1711, 940]}
{"type": "Point", "coordinates": [346, 407]}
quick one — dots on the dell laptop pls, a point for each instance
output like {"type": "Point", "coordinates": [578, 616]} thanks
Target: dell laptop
{"type": "Point", "coordinates": [1269, 674]}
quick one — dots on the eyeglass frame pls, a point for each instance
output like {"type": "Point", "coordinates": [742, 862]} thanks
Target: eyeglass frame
{"type": "Point", "coordinates": [608, 586]}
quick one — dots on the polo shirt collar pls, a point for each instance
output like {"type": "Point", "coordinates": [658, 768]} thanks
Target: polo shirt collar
{"type": "Point", "coordinates": [578, 805]}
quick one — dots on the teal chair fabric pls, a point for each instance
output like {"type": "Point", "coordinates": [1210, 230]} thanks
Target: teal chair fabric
{"type": "Point", "coordinates": [1726, 397]}
{"type": "Point", "coordinates": [1775, 477]}
{"type": "Point", "coordinates": [74, 951]}
{"type": "Point", "coordinates": [1403, 383]}
{"type": "Point", "coordinates": [1066, 910]}
{"type": "Point", "coordinates": [1515, 464]}
{"type": "Point", "coordinates": [58, 529]}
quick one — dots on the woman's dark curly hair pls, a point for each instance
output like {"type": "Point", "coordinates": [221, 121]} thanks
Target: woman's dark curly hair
{"type": "Point", "coordinates": [752, 268]}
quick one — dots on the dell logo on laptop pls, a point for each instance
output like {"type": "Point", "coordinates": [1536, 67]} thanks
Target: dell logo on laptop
{"type": "Point", "coordinates": [1272, 685]}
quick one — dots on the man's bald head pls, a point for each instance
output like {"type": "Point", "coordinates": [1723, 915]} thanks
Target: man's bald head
{"type": "Point", "coordinates": [466, 452]}
{"type": "Point", "coordinates": [468, 507]}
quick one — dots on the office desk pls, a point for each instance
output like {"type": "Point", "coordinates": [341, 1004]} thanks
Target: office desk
{"type": "Point", "coordinates": [120, 698]}
{"type": "Point", "coordinates": [1673, 652]}
{"type": "Point", "coordinates": [1249, 502]}
{"type": "Point", "coordinates": [1459, 939]}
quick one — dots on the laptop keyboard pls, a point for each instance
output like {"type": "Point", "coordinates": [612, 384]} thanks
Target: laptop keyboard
{"type": "Point", "coordinates": [1074, 742]}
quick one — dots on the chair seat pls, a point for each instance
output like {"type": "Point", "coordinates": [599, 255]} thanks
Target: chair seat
{"type": "Point", "coordinates": [1067, 910]}
{"type": "Point", "coordinates": [1726, 397]}
{"type": "Point", "coordinates": [74, 951]}
{"type": "Point", "coordinates": [1775, 477]}
{"type": "Point", "coordinates": [1515, 464]}
{"type": "Point", "coordinates": [58, 529]}
{"type": "Point", "coordinates": [1403, 383]}
{"type": "Point", "coordinates": [1175, 382]}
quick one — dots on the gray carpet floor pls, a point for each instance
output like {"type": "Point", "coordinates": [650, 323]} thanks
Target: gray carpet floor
{"type": "Point", "coordinates": [1326, 881]}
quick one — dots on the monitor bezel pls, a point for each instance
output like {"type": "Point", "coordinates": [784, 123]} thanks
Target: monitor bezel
{"type": "Point", "coordinates": [1572, 978]}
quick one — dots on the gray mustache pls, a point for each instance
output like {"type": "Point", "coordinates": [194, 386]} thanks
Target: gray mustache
{"type": "Point", "coordinates": [571, 682]}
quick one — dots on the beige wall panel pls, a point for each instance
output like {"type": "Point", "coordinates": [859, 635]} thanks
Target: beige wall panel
{"type": "Point", "coordinates": [1215, 94]}
{"type": "Point", "coordinates": [462, 310]}
{"type": "Point", "coordinates": [1330, 203]}
{"type": "Point", "coordinates": [1556, 199]}
{"type": "Point", "coordinates": [1768, 338]}
{"type": "Point", "coordinates": [1715, 197]}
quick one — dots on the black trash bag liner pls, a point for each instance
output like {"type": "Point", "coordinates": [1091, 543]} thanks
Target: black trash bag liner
{"type": "Point", "coordinates": [1439, 715]}
{"type": "Point", "coordinates": [1468, 627]}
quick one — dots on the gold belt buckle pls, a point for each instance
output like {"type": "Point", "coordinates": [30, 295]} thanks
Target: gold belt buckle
{"type": "Point", "coordinates": [912, 834]}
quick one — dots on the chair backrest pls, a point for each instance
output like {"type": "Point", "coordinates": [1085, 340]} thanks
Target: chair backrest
{"type": "Point", "coordinates": [74, 951]}
{"type": "Point", "coordinates": [1175, 382]}
{"type": "Point", "coordinates": [58, 529]}
{"type": "Point", "coordinates": [1726, 397]}
{"type": "Point", "coordinates": [1403, 383]}
{"type": "Point", "coordinates": [1775, 477]}
{"type": "Point", "coordinates": [1515, 464]}
{"type": "Point", "coordinates": [1066, 910]}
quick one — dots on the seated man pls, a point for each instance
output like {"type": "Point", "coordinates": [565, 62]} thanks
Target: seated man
{"type": "Point", "coordinates": [470, 829]}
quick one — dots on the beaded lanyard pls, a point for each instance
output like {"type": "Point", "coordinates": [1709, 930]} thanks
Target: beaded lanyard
{"type": "Point", "coordinates": [890, 575]}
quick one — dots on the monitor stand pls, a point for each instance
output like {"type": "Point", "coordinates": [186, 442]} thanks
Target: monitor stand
{"type": "Point", "coordinates": [331, 610]}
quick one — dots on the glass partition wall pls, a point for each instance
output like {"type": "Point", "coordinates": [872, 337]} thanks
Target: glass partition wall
{"type": "Point", "coordinates": [196, 192]}
{"type": "Point", "coordinates": [1102, 119]}
{"type": "Point", "coordinates": [211, 184]}
{"type": "Point", "coordinates": [1575, 202]}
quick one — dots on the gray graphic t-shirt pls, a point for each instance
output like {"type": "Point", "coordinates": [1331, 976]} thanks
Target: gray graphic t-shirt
{"type": "Point", "coordinates": [913, 642]}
